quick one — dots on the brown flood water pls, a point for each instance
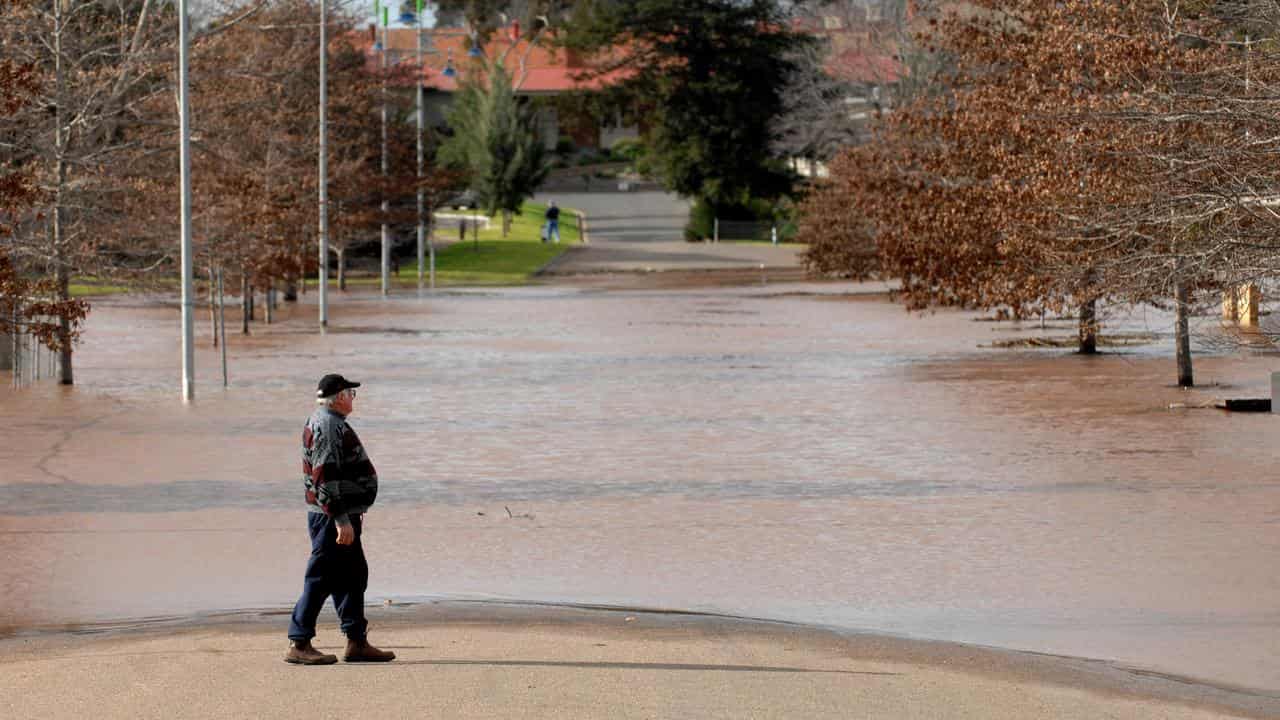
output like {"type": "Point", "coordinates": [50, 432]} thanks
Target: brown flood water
{"type": "Point", "coordinates": [761, 451]}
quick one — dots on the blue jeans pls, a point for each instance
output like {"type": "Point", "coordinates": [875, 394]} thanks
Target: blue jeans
{"type": "Point", "coordinates": [553, 228]}
{"type": "Point", "coordinates": [337, 570]}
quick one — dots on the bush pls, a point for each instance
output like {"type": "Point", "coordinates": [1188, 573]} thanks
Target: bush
{"type": "Point", "coordinates": [786, 217]}
{"type": "Point", "coordinates": [565, 146]}
{"type": "Point", "coordinates": [765, 213]}
{"type": "Point", "coordinates": [628, 149]}
{"type": "Point", "coordinates": [787, 230]}
{"type": "Point", "coordinates": [701, 223]}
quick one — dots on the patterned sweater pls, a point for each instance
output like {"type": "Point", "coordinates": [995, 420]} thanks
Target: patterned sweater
{"type": "Point", "coordinates": [336, 471]}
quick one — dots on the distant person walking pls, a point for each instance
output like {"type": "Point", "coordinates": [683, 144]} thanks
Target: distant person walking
{"type": "Point", "coordinates": [341, 485]}
{"type": "Point", "coordinates": [553, 222]}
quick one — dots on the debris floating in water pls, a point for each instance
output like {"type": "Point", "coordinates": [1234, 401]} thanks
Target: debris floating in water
{"type": "Point", "coordinates": [1258, 405]}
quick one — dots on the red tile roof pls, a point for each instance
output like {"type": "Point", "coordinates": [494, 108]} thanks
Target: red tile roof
{"type": "Point", "coordinates": [548, 70]}
{"type": "Point", "coordinates": [537, 70]}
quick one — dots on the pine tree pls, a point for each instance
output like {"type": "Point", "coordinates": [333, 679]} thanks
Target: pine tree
{"type": "Point", "coordinates": [713, 73]}
{"type": "Point", "coordinates": [496, 141]}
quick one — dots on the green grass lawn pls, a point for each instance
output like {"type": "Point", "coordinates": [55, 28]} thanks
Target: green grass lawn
{"type": "Point", "coordinates": [88, 287]}
{"type": "Point", "coordinates": [495, 260]}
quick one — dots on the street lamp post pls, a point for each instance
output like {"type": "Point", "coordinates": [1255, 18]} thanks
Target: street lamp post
{"type": "Point", "coordinates": [421, 112]}
{"type": "Point", "coordinates": [324, 173]}
{"type": "Point", "coordinates": [386, 240]}
{"type": "Point", "coordinates": [184, 150]}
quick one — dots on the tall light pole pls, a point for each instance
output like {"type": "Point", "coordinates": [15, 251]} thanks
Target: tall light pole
{"type": "Point", "coordinates": [386, 240]}
{"type": "Point", "coordinates": [421, 128]}
{"type": "Point", "coordinates": [324, 170]}
{"type": "Point", "coordinates": [408, 18]}
{"type": "Point", "coordinates": [184, 151]}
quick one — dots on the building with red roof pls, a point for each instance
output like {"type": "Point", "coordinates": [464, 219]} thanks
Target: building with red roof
{"type": "Point", "coordinates": [862, 43]}
{"type": "Point", "coordinates": [538, 70]}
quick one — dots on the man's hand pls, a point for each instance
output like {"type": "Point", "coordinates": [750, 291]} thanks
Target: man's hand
{"type": "Point", "coordinates": [346, 534]}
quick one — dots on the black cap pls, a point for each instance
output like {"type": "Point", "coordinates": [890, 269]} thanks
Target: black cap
{"type": "Point", "coordinates": [333, 384]}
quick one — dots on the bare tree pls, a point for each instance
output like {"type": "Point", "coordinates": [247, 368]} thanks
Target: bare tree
{"type": "Point", "coordinates": [27, 306]}
{"type": "Point", "coordinates": [868, 60]}
{"type": "Point", "coordinates": [101, 62]}
{"type": "Point", "coordinates": [1079, 151]}
{"type": "Point", "coordinates": [486, 17]}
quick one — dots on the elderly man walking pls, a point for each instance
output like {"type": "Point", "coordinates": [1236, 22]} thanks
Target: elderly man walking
{"type": "Point", "coordinates": [341, 484]}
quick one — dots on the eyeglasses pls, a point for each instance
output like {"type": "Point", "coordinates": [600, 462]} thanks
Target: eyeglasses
{"type": "Point", "coordinates": [352, 392]}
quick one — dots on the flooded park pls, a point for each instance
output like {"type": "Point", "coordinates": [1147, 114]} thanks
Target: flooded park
{"type": "Point", "coordinates": [801, 452]}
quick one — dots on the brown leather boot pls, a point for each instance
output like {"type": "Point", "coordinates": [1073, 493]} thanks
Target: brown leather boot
{"type": "Point", "coordinates": [361, 651]}
{"type": "Point", "coordinates": [301, 653]}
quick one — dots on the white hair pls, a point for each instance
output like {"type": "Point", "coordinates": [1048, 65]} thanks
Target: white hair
{"type": "Point", "coordinates": [333, 399]}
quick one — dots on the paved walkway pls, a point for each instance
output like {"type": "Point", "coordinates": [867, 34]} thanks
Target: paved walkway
{"type": "Point", "coordinates": [644, 232]}
{"type": "Point", "coordinates": [548, 663]}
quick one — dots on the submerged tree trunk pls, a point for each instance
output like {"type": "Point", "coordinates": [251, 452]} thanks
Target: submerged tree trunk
{"type": "Point", "coordinates": [213, 307]}
{"type": "Point", "coordinates": [64, 327]}
{"type": "Point", "coordinates": [298, 285]}
{"type": "Point", "coordinates": [246, 303]}
{"type": "Point", "coordinates": [1182, 335]}
{"type": "Point", "coordinates": [222, 326]}
{"type": "Point", "coordinates": [1089, 327]}
{"type": "Point", "coordinates": [67, 377]}
{"type": "Point", "coordinates": [15, 347]}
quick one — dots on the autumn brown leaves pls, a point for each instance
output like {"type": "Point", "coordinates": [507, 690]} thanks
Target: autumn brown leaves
{"type": "Point", "coordinates": [88, 142]}
{"type": "Point", "coordinates": [1070, 152]}
{"type": "Point", "coordinates": [28, 306]}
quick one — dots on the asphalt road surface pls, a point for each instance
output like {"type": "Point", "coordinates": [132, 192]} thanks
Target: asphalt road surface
{"type": "Point", "coordinates": [644, 231]}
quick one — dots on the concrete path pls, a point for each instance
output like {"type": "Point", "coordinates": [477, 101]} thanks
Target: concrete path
{"type": "Point", "coordinates": [644, 232]}
{"type": "Point", "coordinates": [547, 663]}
